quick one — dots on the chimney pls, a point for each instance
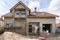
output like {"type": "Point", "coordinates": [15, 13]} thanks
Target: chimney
{"type": "Point", "coordinates": [35, 9]}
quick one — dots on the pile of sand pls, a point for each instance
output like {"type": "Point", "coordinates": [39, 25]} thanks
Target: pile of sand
{"type": "Point", "coordinates": [13, 36]}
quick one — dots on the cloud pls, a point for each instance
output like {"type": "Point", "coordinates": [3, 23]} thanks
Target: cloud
{"type": "Point", "coordinates": [43, 10]}
{"type": "Point", "coordinates": [54, 7]}
{"type": "Point", "coordinates": [54, 4]}
{"type": "Point", "coordinates": [5, 5]}
{"type": "Point", "coordinates": [57, 20]}
{"type": "Point", "coordinates": [2, 7]}
{"type": "Point", "coordinates": [33, 4]}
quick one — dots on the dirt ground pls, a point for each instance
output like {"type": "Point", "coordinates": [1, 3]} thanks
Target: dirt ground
{"type": "Point", "coordinates": [50, 37]}
{"type": "Point", "coordinates": [14, 36]}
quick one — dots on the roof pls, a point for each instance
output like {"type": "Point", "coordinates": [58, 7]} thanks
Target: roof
{"type": "Point", "coordinates": [1, 19]}
{"type": "Point", "coordinates": [35, 14]}
{"type": "Point", "coordinates": [7, 15]}
{"type": "Point", "coordinates": [19, 4]}
{"type": "Point", "coordinates": [32, 14]}
{"type": "Point", "coordinates": [41, 14]}
{"type": "Point", "coordinates": [58, 25]}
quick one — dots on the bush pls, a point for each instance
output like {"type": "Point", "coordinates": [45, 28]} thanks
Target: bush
{"type": "Point", "coordinates": [1, 31]}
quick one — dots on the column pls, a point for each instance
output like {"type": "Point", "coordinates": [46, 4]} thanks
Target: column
{"type": "Point", "coordinates": [40, 27]}
{"type": "Point", "coordinates": [53, 28]}
{"type": "Point", "coordinates": [27, 26]}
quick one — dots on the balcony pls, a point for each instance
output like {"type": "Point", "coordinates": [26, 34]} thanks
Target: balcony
{"type": "Point", "coordinates": [20, 15]}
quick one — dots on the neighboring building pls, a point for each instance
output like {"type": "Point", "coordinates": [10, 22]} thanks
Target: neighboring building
{"type": "Point", "coordinates": [58, 25]}
{"type": "Point", "coordinates": [58, 28]}
{"type": "Point", "coordinates": [1, 23]}
{"type": "Point", "coordinates": [20, 19]}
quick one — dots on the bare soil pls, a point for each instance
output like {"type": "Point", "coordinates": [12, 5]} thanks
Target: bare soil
{"type": "Point", "coordinates": [14, 36]}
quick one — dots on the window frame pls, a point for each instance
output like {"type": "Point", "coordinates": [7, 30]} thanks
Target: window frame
{"type": "Point", "coordinates": [23, 14]}
{"type": "Point", "coordinates": [17, 13]}
{"type": "Point", "coordinates": [9, 25]}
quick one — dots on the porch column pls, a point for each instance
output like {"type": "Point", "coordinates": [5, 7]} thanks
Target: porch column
{"type": "Point", "coordinates": [27, 26]}
{"type": "Point", "coordinates": [53, 28]}
{"type": "Point", "coordinates": [40, 27]}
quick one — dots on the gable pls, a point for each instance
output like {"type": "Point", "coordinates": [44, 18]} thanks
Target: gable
{"type": "Point", "coordinates": [20, 5]}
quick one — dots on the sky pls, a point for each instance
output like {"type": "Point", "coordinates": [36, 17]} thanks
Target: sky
{"type": "Point", "coordinates": [51, 6]}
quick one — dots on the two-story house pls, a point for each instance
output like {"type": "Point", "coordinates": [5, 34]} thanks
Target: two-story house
{"type": "Point", "coordinates": [20, 19]}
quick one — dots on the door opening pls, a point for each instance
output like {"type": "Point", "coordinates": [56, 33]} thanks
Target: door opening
{"type": "Point", "coordinates": [30, 28]}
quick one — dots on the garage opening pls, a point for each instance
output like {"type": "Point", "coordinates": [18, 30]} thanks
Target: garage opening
{"type": "Point", "coordinates": [47, 27]}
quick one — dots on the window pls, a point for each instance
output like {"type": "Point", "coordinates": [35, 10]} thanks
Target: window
{"type": "Point", "coordinates": [23, 14]}
{"type": "Point", "coordinates": [9, 25]}
{"type": "Point", "coordinates": [17, 13]}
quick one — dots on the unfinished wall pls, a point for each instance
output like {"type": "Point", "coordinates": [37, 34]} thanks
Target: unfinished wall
{"type": "Point", "coordinates": [20, 25]}
{"type": "Point", "coordinates": [44, 21]}
{"type": "Point", "coordinates": [8, 20]}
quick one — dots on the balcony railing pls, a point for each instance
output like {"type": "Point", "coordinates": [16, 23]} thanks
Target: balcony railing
{"type": "Point", "coordinates": [23, 16]}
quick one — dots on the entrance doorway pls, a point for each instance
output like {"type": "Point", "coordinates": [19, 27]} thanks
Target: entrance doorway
{"type": "Point", "coordinates": [34, 28]}
{"type": "Point", "coordinates": [47, 27]}
{"type": "Point", "coordinates": [30, 28]}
